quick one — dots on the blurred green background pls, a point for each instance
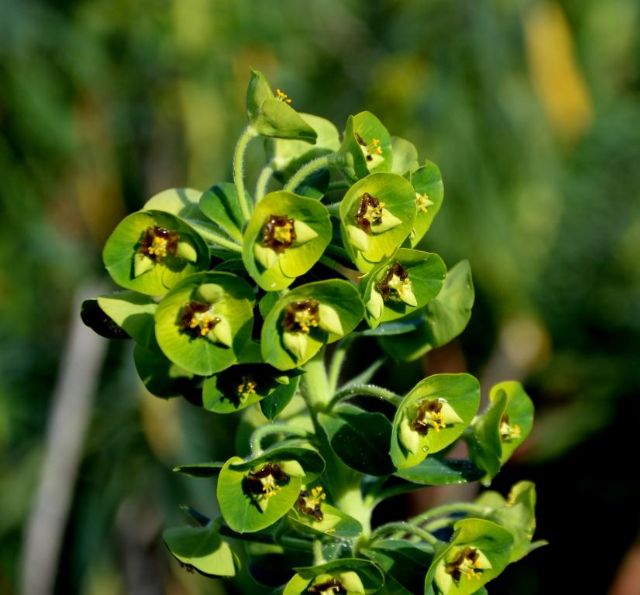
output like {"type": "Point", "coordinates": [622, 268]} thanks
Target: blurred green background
{"type": "Point", "coordinates": [531, 109]}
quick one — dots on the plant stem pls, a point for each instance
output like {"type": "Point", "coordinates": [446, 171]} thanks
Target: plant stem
{"type": "Point", "coordinates": [262, 432]}
{"type": "Point", "coordinates": [338, 185]}
{"type": "Point", "coordinates": [337, 362]}
{"type": "Point", "coordinates": [263, 182]}
{"type": "Point", "coordinates": [342, 482]}
{"type": "Point", "coordinates": [215, 238]}
{"type": "Point", "coordinates": [306, 170]}
{"type": "Point", "coordinates": [238, 168]}
{"type": "Point", "coordinates": [368, 390]}
{"type": "Point", "coordinates": [455, 507]}
{"type": "Point", "coordinates": [401, 527]}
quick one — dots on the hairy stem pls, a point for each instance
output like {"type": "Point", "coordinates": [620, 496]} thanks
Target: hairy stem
{"type": "Point", "coordinates": [306, 170]}
{"type": "Point", "coordinates": [401, 527]}
{"type": "Point", "coordinates": [365, 390]}
{"type": "Point", "coordinates": [269, 430]}
{"type": "Point", "coordinates": [454, 508]}
{"type": "Point", "coordinates": [238, 169]}
{"type": "Point", "coordinates": [263, 182]}
{"type": "Point", "coordinates": [215, 238]}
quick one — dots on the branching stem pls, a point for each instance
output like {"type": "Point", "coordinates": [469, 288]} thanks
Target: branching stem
{"type": "Point", "coordinates": [238, 168]}
{"type": "Point", "coordinates": [306, 170]}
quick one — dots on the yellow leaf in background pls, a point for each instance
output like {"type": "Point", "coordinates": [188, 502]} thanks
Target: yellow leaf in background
{"type": "Point", "coordinates": [555, 74]}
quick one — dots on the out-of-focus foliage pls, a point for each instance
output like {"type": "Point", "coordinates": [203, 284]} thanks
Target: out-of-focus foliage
{"type": "Point", "coordinates": [530, 108]}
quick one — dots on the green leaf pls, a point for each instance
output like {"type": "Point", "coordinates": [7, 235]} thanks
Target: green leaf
{"type": "Point", "coordinates": [94, 317]}
{"type": "Point", "coordinates": [162, 378]}
{"type": "Point", "coordinates": [202, 549]}
{"type": "Point", "coordinates": [369, 578]}
{"type": "Point", "coordinates": [312, 515]}
{"type": "Point", "coordinates": [443, 319]}
{"type": "Point", "coordinates": [243, 509]}
{"type": "Point", "coordinates": [211, 469]}
{"type": "Point", "coordinates": [124, 247]}
{"type": "Point", "coordinates": [402, 285]}
{"type": "Point", "coordinates": [376, 216]}
{"type": "Point", "coordinates": [340, 296]}
{"type": "Point", "coordinates": [485, 540]}
{"type": "Point", "coordinates": [133, 312]}
{"type": "Point", "coordinates": [272, 116]}
{"type": "Point", "coordinates": [405, 156]}
{"type": "Point", "coordinates": [517, 515]}
{"type": "Point", "coordinates": [359, 438]}
{"type": "Point", "coordinates": [503, 427]}
{"type": "Point", "coordinates": [432, 416]}
{"type": "Point", "coordinates": [220, 204]}
{"type": "Point", "coordinates": [287, 156]}
{"type": "Point", "coordinates": [230, 302]}
{"type": "Point", "coordinates": [427, 182]}
{"type": "Point", "coordinates": [436, 471]}
{"type": "Point", "coordinates": [404, 563]}
{"type": "Point", "coordinates": [275, 264]}
{"type": "Point", "coordinates": [366, 147]}
{"type": "Point", "coordinates": [274, 403]}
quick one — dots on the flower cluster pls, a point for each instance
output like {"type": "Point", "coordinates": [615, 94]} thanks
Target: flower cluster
{"type": "Point", "coordinates": [232, 297]}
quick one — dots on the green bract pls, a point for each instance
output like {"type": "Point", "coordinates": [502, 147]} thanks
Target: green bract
{"type": "Point", "coordinates": [351, 576]}
{"type": "Point", "coordinates": [287, 156]}
{"type": "Point", "coordinates": [427, 182]}
{"type": "Point", "coordinates": [285, 237]}
{"type": "Point", "coordinates": [234, 297]}
{"type": "Point", "coordinates": [307, 318]}
{"type": "Point", "coordinates": [271, 115]}
{"type": "Point", "coordinates": [502, 427]}
{"type": "Point", "coordinates": [151, 251]}
{"type": "Point", "coordinates": [366, 147]}
{"type": "Point", "coordinates": [242, 385]}
{"type": "Point", "coordinates": [204, 322]}
{"type": "Point", "coordinates": [402, 285]}
{"type": "Point", "coordinates": [376, 216]}
{"type": "Point", "coordinates": [434, 414]}
{"type": "Point", "coordinates": [202, 549]}
{"type": "Point", "coordinates": [478, 552]}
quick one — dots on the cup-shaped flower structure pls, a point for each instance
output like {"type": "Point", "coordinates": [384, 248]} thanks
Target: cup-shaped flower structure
{"type": "Point", "coordinates": [432, 416]}
{"type": "Point", "coordinates": [285, 237]}
{"type": "Point", "coordinates": [287, 156]}
{"type": "Point", "coordinates": [478, 552]}
{"type": "Point", "coordinates": [427, 183]}
{"type": "Point", "coordinates": [402, 285]}
{"type": "Point", "coordinates": [254, 494]}
{"type": "Point", "coordinates": [151, 251]}
{"type": "Point", "coordinates": [502, 427]}
{"type": "Point", "coordinates": [306, 318]}
{"type": "Point", "coordinates": [376, 216]}
{"type": "Point", "coordinates": [366, 147]}
{"type": "Point", "coordinates": [347, 576]}
{"type": "Point", "coordinates": [243, 385]}
{"type": "Point", "coordinates": [271, 114]}
{"type": "Point", "coordinates": [203, 323]}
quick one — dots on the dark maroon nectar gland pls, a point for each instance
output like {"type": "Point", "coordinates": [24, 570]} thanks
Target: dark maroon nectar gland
{"type": "Point", "coordinates": [263, 484]}
{"type": "Point", "coordinates": [300, 317]}
{"type": "Point", "coordinates": [466, 564]}
{"type": "Point", "coordinates": [278, 233]}
{"type": "Point", "coordinates": [159, 242]}
{"type": "Point", "coordinates": [429, 415]}
{"type": "Point", "coordinates": [369, 149]}
{"type": "Point", "coordinates": [198, 319]}
{"type": "Point", "coordinates": [369, 212]}
{"type": "Point", "coordinates": [331, 586]}
{"type": "Point", "coordinates": [310, 503]}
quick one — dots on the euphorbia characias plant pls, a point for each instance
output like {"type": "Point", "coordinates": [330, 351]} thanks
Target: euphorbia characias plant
{"type": "Point", "coordinates": [247, 304]}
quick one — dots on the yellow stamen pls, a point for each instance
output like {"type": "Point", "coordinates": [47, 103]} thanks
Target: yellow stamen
{"type": "Point", "coordinates": [423, 202]}
{"type": "Point", "coordinates": [282, 96]}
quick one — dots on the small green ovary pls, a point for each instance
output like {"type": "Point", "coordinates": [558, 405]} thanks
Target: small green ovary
{"type": "Point", "coordinates": [396, 285]}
